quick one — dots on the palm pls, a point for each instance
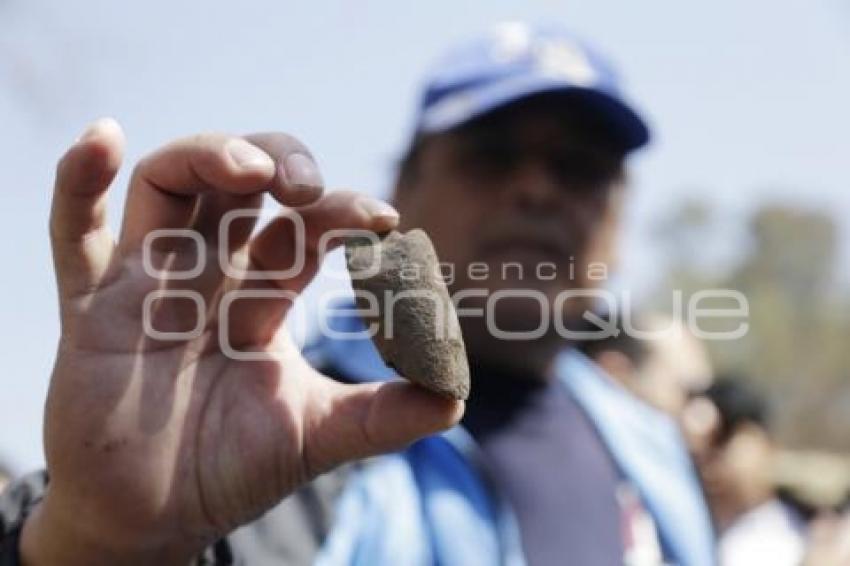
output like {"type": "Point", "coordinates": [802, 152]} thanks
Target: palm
{"type": "Point", "coordinates": [176, 437]}
{"type": "Point", "coordinates": [224, 436]}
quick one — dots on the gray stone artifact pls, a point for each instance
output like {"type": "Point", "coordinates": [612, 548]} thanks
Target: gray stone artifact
{"type": "Point", "coordinates": [418, 333]}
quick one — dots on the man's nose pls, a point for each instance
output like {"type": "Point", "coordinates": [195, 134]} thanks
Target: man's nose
{"type": "Point", "coordinates": [533, 188]}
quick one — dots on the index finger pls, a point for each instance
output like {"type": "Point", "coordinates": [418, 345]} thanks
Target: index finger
{"type": "Point", "coordinates": [165, 186]}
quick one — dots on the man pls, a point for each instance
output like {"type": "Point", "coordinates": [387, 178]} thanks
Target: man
{"type": "Point", "coordinates": [739, 476]}
{"type": "Point", "coordinates": [158, 450]}
{"type": "Point", "coordinates": [5, 475]}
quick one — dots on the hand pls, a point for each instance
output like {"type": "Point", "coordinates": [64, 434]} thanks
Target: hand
{"type": "Point", "coordinates": [157, 447]}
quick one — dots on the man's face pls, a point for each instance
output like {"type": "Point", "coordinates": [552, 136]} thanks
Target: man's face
{"type": "Point", "coordinates": [737, 472]}
{"type": "Point", "coordinates": [524, 199]}
{"type": "Point", "coordinates": [677, 364]}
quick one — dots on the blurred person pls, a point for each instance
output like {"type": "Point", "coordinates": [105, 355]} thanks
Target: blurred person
{"type": "Point", "coordinates": [5, 476]}
{"type": "Point", "coordinates": [755, 526]}
{"type": "Point", "coordinates": [175, 453]}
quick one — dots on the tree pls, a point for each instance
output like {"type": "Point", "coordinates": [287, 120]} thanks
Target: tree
{"type": "Point", "coordinates": [796, 348]}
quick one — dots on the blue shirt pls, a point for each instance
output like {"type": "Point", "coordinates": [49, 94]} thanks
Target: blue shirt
{"type": "Point", "coordinates": [544, 454]}
{"type": "Point", "coordinates": [438, 502]}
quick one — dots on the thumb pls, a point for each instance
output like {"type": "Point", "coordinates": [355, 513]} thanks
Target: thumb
{"type": "Point", "coordinates": [358, 421]}
{"type": "Point", "coordinates": [81, 241]}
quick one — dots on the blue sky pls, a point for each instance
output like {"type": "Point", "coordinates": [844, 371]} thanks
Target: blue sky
{"type": "Point", "coordinates": [747, 100]}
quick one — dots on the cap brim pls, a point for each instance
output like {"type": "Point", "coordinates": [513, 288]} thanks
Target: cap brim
{"type": "Point", "coordinates": [626, 126]}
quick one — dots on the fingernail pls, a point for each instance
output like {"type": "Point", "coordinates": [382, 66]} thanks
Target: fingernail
{"type": "Point", "coordinates": [304, 193]}
{"type": "Point", "coordinates": [302, 170]}
{"type": "Point", "coordinates": [248, 156]}
{"type": "Point", "coordinates": [378, 208]}
{"type": "Point", "coordinates": [97, 127]}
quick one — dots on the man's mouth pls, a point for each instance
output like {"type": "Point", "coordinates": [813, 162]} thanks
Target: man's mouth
{"type": "Point", "coordinates": [525, 248]}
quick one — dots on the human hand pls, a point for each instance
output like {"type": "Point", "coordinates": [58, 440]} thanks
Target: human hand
{"type": "Point", "coordinates": [157, 447]}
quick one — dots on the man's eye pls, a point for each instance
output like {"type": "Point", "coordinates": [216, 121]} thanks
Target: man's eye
{"type": "Point", "coordinates": [581, 170]}
{"type": "Point", "coordinates": [489, 159]}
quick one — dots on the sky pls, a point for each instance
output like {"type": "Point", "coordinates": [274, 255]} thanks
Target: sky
{"type": "Point", "coordinates": [747, 102]}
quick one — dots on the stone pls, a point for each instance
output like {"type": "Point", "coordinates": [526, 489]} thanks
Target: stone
{"type": "Point", "coordinates": [418, 333]}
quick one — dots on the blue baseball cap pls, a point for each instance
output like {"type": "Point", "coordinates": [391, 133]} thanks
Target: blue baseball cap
{"type": "Point", "coordinates": [515, 61]}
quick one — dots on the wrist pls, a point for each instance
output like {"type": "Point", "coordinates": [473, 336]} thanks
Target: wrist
{"type": "Point", "coordinates": [52, 536]}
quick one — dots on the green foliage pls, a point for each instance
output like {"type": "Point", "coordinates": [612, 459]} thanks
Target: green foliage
{"type": "Point", "coordinates": [797, 347]}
